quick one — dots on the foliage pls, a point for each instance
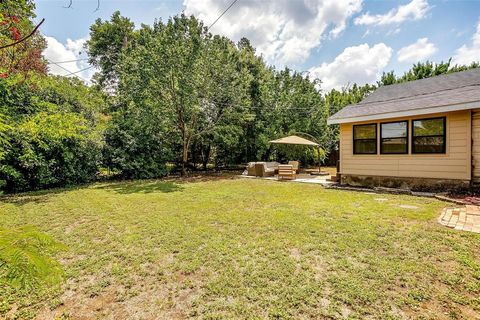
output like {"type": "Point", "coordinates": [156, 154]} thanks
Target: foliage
{"type": "Point", "coordinates": [422, 70]}
{"type": "Point", "coordinates": [53, 134]}
{"type": "Point", "coordinates": [185, 81]}
{"type": "Point", "coordinates": [136, 142]}
{"type": "Point", "coordinates": [49, 150]}
{"type": "Point", "coordinates": [15, 22]}
{"type": "Point", "coordinates": [107, 40]}
{"type": "Point", "coordinates": [25, 258]}
{"type": "Point", "coordinates": [304, 154]}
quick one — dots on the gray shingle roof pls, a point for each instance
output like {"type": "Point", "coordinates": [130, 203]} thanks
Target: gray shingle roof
{"type": "Point", "coordinates": [452, 89]}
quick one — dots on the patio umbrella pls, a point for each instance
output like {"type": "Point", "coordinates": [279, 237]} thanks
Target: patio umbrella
{"type": "Point", "coordinates": [295, 140]}
{"type": "Point", "coordinates": [299, 141]}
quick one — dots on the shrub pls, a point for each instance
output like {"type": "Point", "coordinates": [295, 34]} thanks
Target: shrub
{"type": "Point", "coordinates": [49, 150]}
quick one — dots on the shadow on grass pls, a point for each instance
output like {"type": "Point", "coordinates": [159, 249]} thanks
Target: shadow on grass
{"type": "Point", "coordinates": [142, 187]}
{"type": "Point", "coordinates": [174, 184]}
{"type": "Point", "coordinates": [34, 197]}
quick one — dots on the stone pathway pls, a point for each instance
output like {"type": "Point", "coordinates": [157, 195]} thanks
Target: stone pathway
{"type": "Point", "coordinates": [461, 218]}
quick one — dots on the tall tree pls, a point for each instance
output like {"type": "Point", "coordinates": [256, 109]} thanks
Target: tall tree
{"type": "Point", "coordinates": [180, 69]}
{"type": "Point", "coordinates": [107, 41]}
{"type": "Point", "coordinates": [422, 70]}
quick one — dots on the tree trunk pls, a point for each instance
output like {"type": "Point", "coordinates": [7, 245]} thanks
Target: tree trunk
{"type": "Point", "coordinates": [186, 143]}
{"type": "Point", "coordinates": [206, 157]}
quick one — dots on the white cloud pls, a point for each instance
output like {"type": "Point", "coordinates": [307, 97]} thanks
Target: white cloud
{"type": "Point", "coordinates": [418, 51]}
{"type": "Point", "coordinates": [284, 31]}
{"type": "Point", "coordinates": [358, 64]}
{"type": "Point", "coordinates": [468, 54]}
{"type": "Point", "coordinates": [72, 50]}
{"type": "Point", "coordinates": [415, 10]}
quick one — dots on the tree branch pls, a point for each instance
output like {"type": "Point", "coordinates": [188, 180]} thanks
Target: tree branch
{"type": "Point", "coordinates": [24, 38]}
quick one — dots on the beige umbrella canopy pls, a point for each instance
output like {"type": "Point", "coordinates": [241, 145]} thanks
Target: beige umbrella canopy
{"type": "Point", "coordinates": [300, 141]}
{"type": "Point", "coordinates": [295, 140]}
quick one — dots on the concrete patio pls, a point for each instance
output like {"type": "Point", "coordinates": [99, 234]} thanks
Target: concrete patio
{"type": "Point", "coordinates": [302, 178]}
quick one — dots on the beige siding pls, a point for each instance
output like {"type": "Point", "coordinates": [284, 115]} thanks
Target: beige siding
{"type": "Point", "coordinates": [476, 144]}
{"type": "Point", "coordinates": [454, 164]}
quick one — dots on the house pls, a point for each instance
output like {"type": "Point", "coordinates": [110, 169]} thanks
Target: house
{"type": "Point", "coordinates": [418, 134]}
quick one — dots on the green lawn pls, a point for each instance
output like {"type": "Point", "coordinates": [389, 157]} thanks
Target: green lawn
{"type": "Point", "coordinates": [246, 248]}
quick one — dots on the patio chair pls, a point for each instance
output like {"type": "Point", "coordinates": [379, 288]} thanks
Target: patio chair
{"type": "Point", "coordinates": [251, 169]}
{"type": "Point", "coordinates": [287, 171]}
{"type": "Point", "coordinates": [295, 164]}
{"type": "Point", "coordinates": [261, 170]}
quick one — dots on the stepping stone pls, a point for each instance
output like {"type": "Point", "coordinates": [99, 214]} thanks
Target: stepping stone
{"type": "Point", "coordinates": [406, 206]}
{"type": "Point", "coordinates": [473, 210]}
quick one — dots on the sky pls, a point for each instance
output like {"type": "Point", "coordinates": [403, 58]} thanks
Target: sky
{"type": "Point", "coordinates": [338, 41]}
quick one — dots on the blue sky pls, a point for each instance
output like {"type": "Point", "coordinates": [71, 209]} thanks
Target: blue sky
{"type": "Point", "coordinates": [339, 41]}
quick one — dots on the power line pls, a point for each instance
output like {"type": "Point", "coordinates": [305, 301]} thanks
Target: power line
{"type": "Point", "coordinates": [70, 72]}
{"type": "Point", "coordinates": [220, 16]}
{"type": "Point", "coordinates": [73, 73]}
{"type": "Point", "coordinates": [67, 61]}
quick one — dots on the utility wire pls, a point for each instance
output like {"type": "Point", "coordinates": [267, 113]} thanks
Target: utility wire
{"type": "Point", "coordinates": [73, 73]}
{"type": "Point", "coordinates": [70, 72]}
{"type": "Point", "coordinates": [220, 16]}
{"type": "Point", "coordinates": [67, 61]}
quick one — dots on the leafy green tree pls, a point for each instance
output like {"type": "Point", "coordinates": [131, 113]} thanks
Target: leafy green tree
{"type": "Point", "coordinates": [137, 141]}
{"type": "Point", "coordinates": [107, 41]}
{"type": "Point", "coordinates": [52, 132]}
{"type": "Point", "coordinates": [49, 150]}
{"type": "Point", "coordinates": [187, 77]}
{"type": "Point", "coordinates": [422, 70]}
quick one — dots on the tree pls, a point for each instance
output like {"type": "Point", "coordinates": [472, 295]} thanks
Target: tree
{"type": "Point", "coordinates": [422, 70]}
{"type": "Point", "coordinates": [107, 41]}
{"type": "Point", "coordinates": [49, 150]}
{"type": "Point", "coordinates": [53, 133]}
{"type": "Point", "coordinates": [190, 77]}
{"type": "Point", "coordinates": [20, 45]}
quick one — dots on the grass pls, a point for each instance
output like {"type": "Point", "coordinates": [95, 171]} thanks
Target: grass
{"type": "Point", "coordinates": [245, 248]}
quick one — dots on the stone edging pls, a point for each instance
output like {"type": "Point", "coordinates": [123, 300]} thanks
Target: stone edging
{"type": "Point", "coordinates": [447, 199]}
{"type": "Point", "coordinates": [381, 190]}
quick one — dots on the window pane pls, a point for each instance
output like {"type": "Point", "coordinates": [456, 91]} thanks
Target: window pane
{"type": "Point", "coordinates": [394, 130]}
{"type": "Point", "coordinates": [364, 131]}
{"type": "Point", "coordinates": [366, 146]}
{"type": "Point", "coordinates": [428, 145]}
{"type": "Point", "coordinates": [394, 145]}
{"type": "Point", "coordinates": [430, 127]}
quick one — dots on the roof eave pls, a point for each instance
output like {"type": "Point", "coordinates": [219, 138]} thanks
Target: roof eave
{"type": "Point", "coordinates": [406, 113]}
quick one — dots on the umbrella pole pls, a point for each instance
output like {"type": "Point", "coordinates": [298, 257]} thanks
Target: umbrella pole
{"type": "Point", "coordinates": [319, 161]}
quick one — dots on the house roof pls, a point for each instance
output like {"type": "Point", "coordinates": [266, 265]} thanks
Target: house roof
{"type": "Point", "coordinates": [448, 92]}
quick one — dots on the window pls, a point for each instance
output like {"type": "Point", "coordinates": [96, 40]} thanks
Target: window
{"type": "Point", "coordinates": [394, 137]}
{"type": "Point", "coordinates": [429, 135]}
{"type": "Point", "coordinates": [365, 139]}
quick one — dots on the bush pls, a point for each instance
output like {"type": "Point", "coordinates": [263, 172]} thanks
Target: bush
{"type": "Point", "coordinates": [49, 150]}
{"type": "Point", "coordinates": [136, 145]}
